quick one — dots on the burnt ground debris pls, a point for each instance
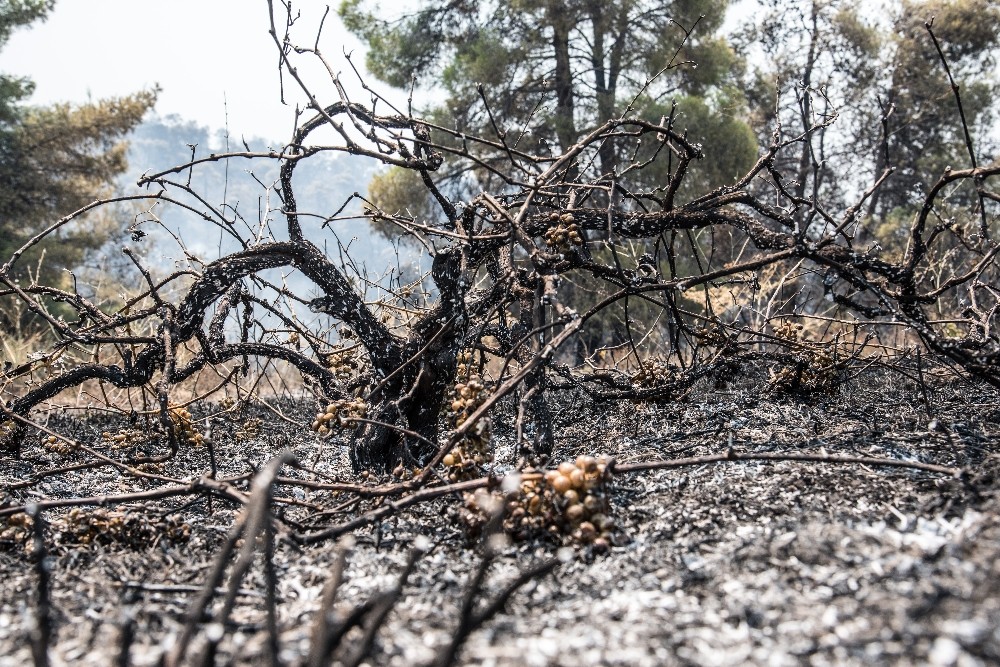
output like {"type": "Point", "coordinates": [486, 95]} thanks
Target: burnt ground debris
{"type": "Point", "coordinates": [841, 508]}
{"type": "Point", "coordinates": [726, 563]}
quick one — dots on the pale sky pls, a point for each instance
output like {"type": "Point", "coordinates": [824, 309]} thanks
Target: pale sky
{"type": "Point", "coordinates": [213, 59]}
{"type": "Point", "coordinates": [207, 56]}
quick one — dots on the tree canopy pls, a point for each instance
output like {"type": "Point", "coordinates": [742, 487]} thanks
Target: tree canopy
{"type": "Point", "coordinates": [882, 77]}
{"type": "Point", "coordinates": [53, 161]}
{"type": "Point", "coordinates": [538, 76]}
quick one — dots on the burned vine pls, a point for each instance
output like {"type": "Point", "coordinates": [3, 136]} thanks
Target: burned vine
{"type": "Point", "coordinates": [562, 277]}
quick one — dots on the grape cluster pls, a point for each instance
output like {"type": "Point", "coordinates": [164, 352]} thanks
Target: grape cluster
{"type": "Point", "coordinates": [57, 445]}
{"type": "Point", "coordinates": [101, 526]}
{"type": "Point", "coordinates": [471, 453]}
{"type": "Point", "coordinates": [817, 369]}
{"type": "Point", "coordinates": [568, 504]}
{"type": "Point", "coordinates": [464, 369]}
{"type": "Point", "coordinates": [250, 429]}
{"type": "Point", "coordinates": [715, 336]}
{"type": "Point", "coordinates": [132, 437]}
{"type": "Point", "coordinates": [16, 530]}
{"type": "Point", "coordinates": [184, 428]}
{"type": "Point", "coordinates": [339, 413]}
{"type": "Point", "coordinates": [653, 373]}
{"type": "Point", "coordinates": [341, 362]}
{"type": "Point", "coordinates": [98, 526]}
{"type": "Point", "coordinates": [788, 331]}
{"type": "Point", "coordinates": [564, 233]}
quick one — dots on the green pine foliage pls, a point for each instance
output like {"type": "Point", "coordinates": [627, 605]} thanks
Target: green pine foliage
{"type": "Point", "coordinates": [55, 160]}
{"type": "Point", "coordinates": [552, 70]}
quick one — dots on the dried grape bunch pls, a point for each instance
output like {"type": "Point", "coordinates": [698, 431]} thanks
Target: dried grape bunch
{"type": "Point", "coordinates": [250, 430]}
{"type": "Point", "coordinates": [15, 531]}
{"type": "Point", "coordinates": [184, 428]}
{"type": "Point", "coordinates": [817, 367]}
{"type": "Point", "coordinates": [471, 453]}
{"type": "Point", "coordinates": [564, 233]}
{"type": "Point", "coordinates": [57, 445]}
{"type": "Point", "coordinates": [133, 437]}
{"type": "Point", "coordinates": [340, 360]}
{"type": "Point", "coordinates": [339, 413]}
{"type": "Point", "coordinates": [101, 526]}
{"type": "Point", "coordinates": [98, 526]}
{"type": "Point", "coordinates": [715, 336]}
{"type": "Point", "coordinates": [568, 505]}
{"type": "Point", "coordinates": [463, 369]}
{"type": "Point", "coordinates": [787, 331]}
{"type": "Point", "coordinates": [819, 370]}
{"type": "Point", "coordinates": [654, 372]}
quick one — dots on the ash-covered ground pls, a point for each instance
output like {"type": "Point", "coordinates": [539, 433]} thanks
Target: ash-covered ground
{"type": "Point", "coordinates": [727, 563]}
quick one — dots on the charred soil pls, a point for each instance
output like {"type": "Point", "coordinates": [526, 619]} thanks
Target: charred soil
{"type": "Point", "coordinates": [731, 562]}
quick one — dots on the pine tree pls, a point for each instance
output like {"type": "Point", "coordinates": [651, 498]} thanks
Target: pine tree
{"type": "Point", "coordinates": [842, 57]}
{"type": "Point", "coordinates": [539, 76]}
{"type": "Point", "coordinates": [543, 73]}
{"type": "Point", "coordinates": [53, 161]}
